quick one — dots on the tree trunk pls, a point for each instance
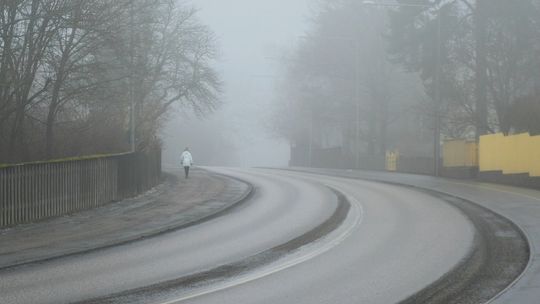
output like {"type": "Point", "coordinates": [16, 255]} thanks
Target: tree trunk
{"type": "Point", "coordinates": [55, 98]}
{"type": "Point", "coordinates": [372, 129]}
{"type": "Point", "coordinates": [383, 127]}
{"type": "Point", "coordinates": [481, 69]}
{"type": "Point", "coordinates": [14, 154]}
{"type": "Point", "coordinates": [51, 115]}
{"type": "Point", "coordinates": [49, 133]}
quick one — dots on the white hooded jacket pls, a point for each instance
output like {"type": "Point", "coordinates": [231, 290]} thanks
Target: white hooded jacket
{"type": "Point", "coordinates": [186, 159]}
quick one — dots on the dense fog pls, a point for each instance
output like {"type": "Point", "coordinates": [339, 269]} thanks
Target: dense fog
{"type": "Point", "coordinates": [252, 35]}
{"type": "Point", "coordinates": [344, 83]}
{"type": "Point", "coordinates": [318, 83]}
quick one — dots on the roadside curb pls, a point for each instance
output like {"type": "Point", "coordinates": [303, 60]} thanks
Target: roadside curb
{"type": "Point", "coordinates": [425, 294]}
{"type": "Point", "coordinates": [467, 260]}
{"type": "Point", "coordinates": [237, 268]}
{"type": "Point", "coordinates": [228, 207]}
{"type": "Point", "coordinates": [515, 225]}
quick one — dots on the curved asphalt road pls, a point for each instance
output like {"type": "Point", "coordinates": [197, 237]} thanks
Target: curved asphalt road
{"type": "Point", "coordinates": [405, 241]}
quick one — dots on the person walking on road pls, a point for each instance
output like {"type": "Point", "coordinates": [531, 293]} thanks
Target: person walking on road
{"type": "Point", "coordinates": [186, 160]}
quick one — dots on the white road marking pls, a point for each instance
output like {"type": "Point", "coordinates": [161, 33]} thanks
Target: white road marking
{"type": "Point", "coordinates": [354, 219]}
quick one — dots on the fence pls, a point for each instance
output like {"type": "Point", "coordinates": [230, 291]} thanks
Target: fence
{"type": "Point", "coordinates": [35, 191]}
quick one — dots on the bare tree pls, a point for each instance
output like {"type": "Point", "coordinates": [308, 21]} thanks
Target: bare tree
{"type": "Point", "coordinates": [27, 29]}
{"type": "Point", "coordinates": [173, 58]}
{"type": "Point", "coordinates": [342, 86]}
{"type": "Point", "coordinates": [67, 68]}
{"type": "Point", "coordinates": [488, 59]}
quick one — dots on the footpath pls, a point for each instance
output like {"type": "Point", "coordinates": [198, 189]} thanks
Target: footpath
{"type": "Point", "coordinates": [175, 204]}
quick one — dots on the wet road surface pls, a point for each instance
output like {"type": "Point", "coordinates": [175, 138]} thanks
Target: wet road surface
{"type": "Point", "coordinates": [393, 243]}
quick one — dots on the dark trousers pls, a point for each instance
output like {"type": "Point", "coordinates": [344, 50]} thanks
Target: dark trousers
{"type": "Point", "coordinates": [186, 170]}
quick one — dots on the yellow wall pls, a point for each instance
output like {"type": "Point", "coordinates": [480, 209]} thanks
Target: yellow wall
{"type": "Point", "coordinates": [489, 152]}
{"type": "Point", "coordinates": [460, 153]}
{"type": "Point", "coordinates": [535, 156]}
{"type": "Point", "coordinates": [391, 160]}
{"type": "Point", "coordinates": [510, 154]}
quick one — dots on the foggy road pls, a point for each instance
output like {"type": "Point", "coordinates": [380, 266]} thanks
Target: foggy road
{"type": "Point", "coordinates": [393, 243]}
{"type": "Point", "coordinates": [360, 151]}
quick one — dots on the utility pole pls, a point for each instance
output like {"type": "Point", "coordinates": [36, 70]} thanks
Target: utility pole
{"type": "Point", "coordinates": [357, 97]}
{"type": "Point", "coordinates": [437, 135]}
{"type": "Point", "coordinates": [310, 151]}
{"type": "Point", "coordinates": [480, 34]}
{"type": "Point", "coordinates": [437, 99]}
{"type": "Point", "coordinates": [131, 81]}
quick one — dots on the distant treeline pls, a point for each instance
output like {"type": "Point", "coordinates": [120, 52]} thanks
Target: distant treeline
{"type": "Point", "coordinates": [71, 69]}
{"type": "Point", "coordinates": [366, 75]}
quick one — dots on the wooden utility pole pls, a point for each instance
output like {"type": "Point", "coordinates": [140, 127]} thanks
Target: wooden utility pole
{"type": "Point", "coordinates": [480, 33]}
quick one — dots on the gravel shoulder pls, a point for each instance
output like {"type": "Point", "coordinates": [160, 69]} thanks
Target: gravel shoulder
{"type": "Point", "coordinates": [174, 204]}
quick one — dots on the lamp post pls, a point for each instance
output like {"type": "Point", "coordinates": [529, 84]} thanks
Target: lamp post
{"type": "Point", "coordinates": [437, 129]}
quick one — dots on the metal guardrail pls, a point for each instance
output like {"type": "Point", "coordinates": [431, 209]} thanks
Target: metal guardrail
{"type": "Point", "coordinates": [34, 191]}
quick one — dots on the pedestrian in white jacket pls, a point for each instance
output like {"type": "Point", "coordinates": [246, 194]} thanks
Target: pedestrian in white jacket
{"type": "Point", "coordinates": [187, 161]}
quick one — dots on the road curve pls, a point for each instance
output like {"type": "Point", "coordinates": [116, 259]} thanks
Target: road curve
{"type": "Point", "coordinates": [405, 241]}
{"type": "Point", "coordinates": [502, 264]}
{"type": "Point", "coordinates": [280, 210]}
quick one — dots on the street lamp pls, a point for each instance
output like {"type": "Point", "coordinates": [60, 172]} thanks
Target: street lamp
{"type": "Point", "coordinates": [437, 131]}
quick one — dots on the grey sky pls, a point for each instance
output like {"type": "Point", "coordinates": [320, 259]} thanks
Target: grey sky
{"type": "Point", "coordinates": [249, 32]}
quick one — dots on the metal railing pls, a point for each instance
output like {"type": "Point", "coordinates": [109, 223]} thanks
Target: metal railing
{"type": "Point", "coordinates": [34, 191]}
